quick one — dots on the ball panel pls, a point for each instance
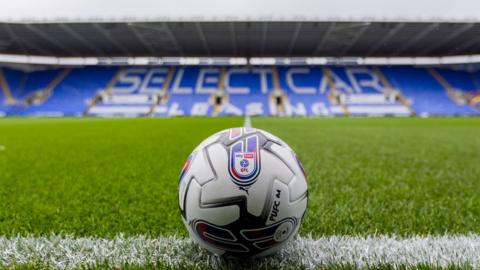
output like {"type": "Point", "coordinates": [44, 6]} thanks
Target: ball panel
{"type": "Point", "coordinates": [196, 166]}
{"type": "Point", "coordinates": [210, 140]}
{"type": "Point", "coordinates": [218, 237]}
{"type": "Point", "coordinates": [278, 247]}
{"type": "Point", "coordinates": [260, 191]}
{"type": "Point", "coordinates": [280, 201]}
{"type": "Point", "coordinates": [222, 189]}
{"type": "Point", "coordinates": [286, 154]}
{"type": "Point", "coordinates": [197, 239]}
{"type": "Point", "coordinates": [273, 138]}
{"type": "Point", "coordinates": [297, 188]}
{"type": "Point", "coordinates": [298, 183]}
{"type": "Point", "coordinates": [201, 167]}
{"type": "Point", "coordinates": [218, 215]}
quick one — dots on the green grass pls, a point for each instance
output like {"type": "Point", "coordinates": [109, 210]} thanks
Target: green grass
{"type": "Point", "coordinates": [248, 265]}
{"type": "Point", "coordinates": [102, 177]}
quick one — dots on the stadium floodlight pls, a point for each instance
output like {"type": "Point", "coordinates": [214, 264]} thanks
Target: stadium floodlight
{"type": "Point", "coordinates": [113, 61]}
{"type": "Point", "coordinates": [242, 193]}
{"type": "Point", "coordinates": [238, 61]}
{"type": "Point", "coordinates": [458, 59]}
{"type": "Point", "coordinates": [262, 61]}
{"type": "Point", "coordinates": [345, 61]}
{"type": "Point", "coordinates": [399, 61]}
{"type": "Point", "coordinates": [426, 61]}
{"type": "Point", "coordinates": [44, 60]}
{"type": "Point", "coordinates": [189, 61]}
{"type": "Point", "coordinates": [14, 58]}
{"type": "Point", "coordinates": [316, 61]}
{"type": "Point", "coordinates": [77, 61]}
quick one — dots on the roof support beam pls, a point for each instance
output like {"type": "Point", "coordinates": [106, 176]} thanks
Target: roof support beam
{"type": "Point", "coordinates": [172, 38]}
{"type": "Point", "coordinates": [448, 38]}
{"type": "Point", "coordinates": [417, 38]}
{"type": "Point", "coordinates": [50, 40]}
{"type": "Point", "coordinates": [465, 46]}
{"type": "Point", "coordinates": [385, 38]}
{"type": "Point", "coordinates": [233, 37]}
{"type": "Point", "coordinates": [15, 38]}
{"type": "Point", "coordinates": [79, 38]}
{"type": "Point", "coordinates": [30, 46]}
{"type": "Point", "coordinates": [264, 38]}
{"type": "Point", "coordinates": [165, 31]}
{"type": "Point", "coordinates": [109, 37]}
{"type": "Point", "coordinates": [357, 36]}
{"type": "Point", "coordinates": [202, 37]}
{"type": "Point", "coordinates": [139, 36]}
{"type": "Point", "coordinates": [294, 38]}
{"type": "Point", "coordinates": [324, 38]}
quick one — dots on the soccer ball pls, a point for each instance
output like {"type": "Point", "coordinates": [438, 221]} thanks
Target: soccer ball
{"type": "Point", "coordinates": [242, 193]}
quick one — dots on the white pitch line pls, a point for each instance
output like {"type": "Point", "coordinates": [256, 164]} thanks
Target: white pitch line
{"type": "Point", "coordinates": [68, 252]}
{"type": "Point", "coordinates": [247, 122]}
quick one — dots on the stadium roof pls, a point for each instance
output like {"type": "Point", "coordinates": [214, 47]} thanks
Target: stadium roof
{"type": "Point", "coordinates": [208, 28]}
{"type": "Point", "coordinates": [245, 39]}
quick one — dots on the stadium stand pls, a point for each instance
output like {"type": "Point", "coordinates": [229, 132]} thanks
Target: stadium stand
{"type": "Point", "coordinates": [239, 90]}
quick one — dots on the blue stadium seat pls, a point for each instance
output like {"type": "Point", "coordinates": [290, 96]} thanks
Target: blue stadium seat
{"type": "Point", "coordinates": [304, 90]}
{"type": "Point", "coordinates": [426, 94]}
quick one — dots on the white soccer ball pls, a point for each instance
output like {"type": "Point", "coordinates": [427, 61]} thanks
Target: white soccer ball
{"type": "Point", "coordinates": [242, 193]}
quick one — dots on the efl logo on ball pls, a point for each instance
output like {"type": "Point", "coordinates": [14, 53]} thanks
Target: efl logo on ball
{"type": "Point", "coordinates": [244, 164]}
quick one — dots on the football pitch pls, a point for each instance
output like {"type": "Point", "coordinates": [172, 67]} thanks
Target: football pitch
{"type": "Point", "coordinates": [100, 184]}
